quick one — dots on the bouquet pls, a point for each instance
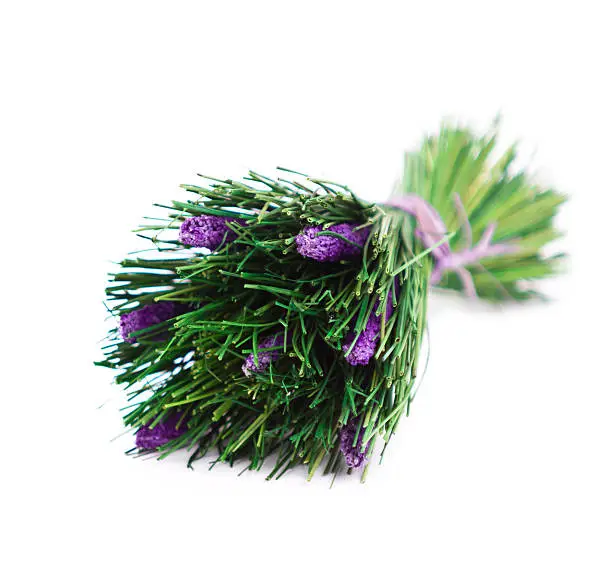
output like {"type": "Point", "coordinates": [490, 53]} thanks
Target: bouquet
{"type": "Point", "coordinates": [283, 317]}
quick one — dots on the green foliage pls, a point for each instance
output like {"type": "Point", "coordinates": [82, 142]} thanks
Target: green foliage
{"type": "Point", "coordinates": [256, 287]}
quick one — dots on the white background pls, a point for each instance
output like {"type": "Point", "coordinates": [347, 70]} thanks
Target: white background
{"type": "Point", "coordinates": [505, 461]}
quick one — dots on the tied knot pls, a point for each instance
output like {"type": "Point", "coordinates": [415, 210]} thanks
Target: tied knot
{"type": "Point", "coordinates": [430, 230]}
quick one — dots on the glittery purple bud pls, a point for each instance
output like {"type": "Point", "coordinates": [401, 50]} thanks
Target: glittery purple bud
{"type": "Point", "coordinates": [263, 358]}
{"type": "Point", "coordinates": [310, 243]}
{"type": "Point", "coordinates": [165, 431]}
{"type": "Point", "coordinates": [367, 343]}
{"type": "Point", "coordinates": [365, 347]}
{"type": "Point", "coordinates": [353, 455]}
{"type": "Point", "coordinates": [207, 231]}
{"type": "Point", "coordinates": [146, 317]}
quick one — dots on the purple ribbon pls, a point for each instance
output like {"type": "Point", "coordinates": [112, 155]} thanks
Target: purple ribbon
{"type": "Point", "coordinates": [430, 230]}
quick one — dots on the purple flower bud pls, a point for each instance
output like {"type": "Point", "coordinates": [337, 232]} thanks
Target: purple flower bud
{"type": "Point", "coordinates": [365, 347]}
{"type": "Point", "coordinates": [331, 248]}
{"type": "Point", "coordinates": [367, 343]}
{"type": "Point", "coordinates": [353, 455]}
{"type": "Point", "coordinates": [146, 317]}
{"type": "Point", "coordinates": [263, 358]}
{"type": "Point", "coordinates": [207, 231]}
{"type": "Point", "coordinates": [165, 431]}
